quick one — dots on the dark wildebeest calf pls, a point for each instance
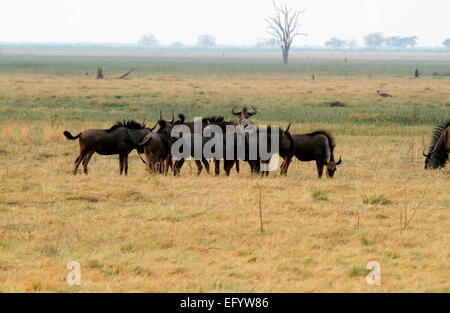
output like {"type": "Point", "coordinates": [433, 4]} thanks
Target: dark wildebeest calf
{"type": "Point", "coordinates": [108, 142]}
{"type": "Point", "coordinates": [439, 148]}
{"type": "Point", "coordinates": [317, 146]}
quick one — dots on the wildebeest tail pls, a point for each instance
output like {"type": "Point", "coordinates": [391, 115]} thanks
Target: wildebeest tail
{"type": "Point", "coordinates": [69, 135]}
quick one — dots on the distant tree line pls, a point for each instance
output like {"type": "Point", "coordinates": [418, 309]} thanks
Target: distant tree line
{"type": "Point", "coordinates": [377, 40]}
{"type": "Point", "coordinates": [336, 43]}
{"type": "Point", "coordinates": [371, 41]}
{"type": "Point", "coordinates": [374, 41]}
{"type": "Point", "coordinates": [204, 41]}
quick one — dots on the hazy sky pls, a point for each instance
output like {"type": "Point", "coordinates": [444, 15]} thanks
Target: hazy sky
{"type": "Point", "coordinates": [230, 21]}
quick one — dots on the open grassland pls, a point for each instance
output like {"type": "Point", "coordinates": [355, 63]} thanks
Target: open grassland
{"type": "Point", "coordinates": [151, 233]}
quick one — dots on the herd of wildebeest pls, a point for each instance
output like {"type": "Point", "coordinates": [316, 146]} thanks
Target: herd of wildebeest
{"type": "Point", "coordinates": [124, 137]}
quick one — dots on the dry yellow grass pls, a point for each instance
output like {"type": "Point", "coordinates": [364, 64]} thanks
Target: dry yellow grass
{"type": "Point", "coordinates": [175, 234]}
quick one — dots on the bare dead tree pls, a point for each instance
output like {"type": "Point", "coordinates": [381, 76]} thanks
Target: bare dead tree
{"type": "Point", "coordinates": [283, 27]}
{"type": "Point", "coordinates": [100, 72]}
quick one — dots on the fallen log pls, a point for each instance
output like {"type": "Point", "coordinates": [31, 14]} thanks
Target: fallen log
{"type": "Point", "coordinates": [126, 74]}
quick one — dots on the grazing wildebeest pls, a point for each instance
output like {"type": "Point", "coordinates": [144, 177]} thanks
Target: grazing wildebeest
{"type": "Point", "coordinates": [317, 146]}
{"type": "Point", "coordinates": [439, 148]}
{"type": "Point", "coordinates": [114, 140]}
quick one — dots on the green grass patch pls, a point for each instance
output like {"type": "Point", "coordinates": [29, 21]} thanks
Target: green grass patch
{"type": "Point", "coordinates": [375, 199]}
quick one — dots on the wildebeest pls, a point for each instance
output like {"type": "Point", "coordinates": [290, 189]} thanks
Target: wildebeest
{"type": "Point", "coordinates": [157, 146]}
{"type": "Point", "coordinates": [242, 142]}
{"type": "Point", "coordinates": [114, 140]}
{"type": "Point", "coordinates": [204, 123]}
{"type": "Point", "coordinates": [439, 150]}
{"type": "Point", "coordinates": [317, 146]}
{"type": "Point", "coordinates": [244, 116]}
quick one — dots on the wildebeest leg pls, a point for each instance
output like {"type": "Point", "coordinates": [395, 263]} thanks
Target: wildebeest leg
{"type": "Point", "coordinates": [86, 160]}
{"type": "Point", "coordinates": [319, 169]}
{"type": "Point", "coordinates": [161, 165]}
{"type": "Point", "coordinates": [125, 163]}
{"type": "Point", "coordinates": [237, 166]}
{"type": "Point", "coordinates": [285, 165]}
{"type": "Point", "coordinates": [177, 166]}
{"type": "Point", "coordinates": [266, 168]}
{"type": "Point", "coordinates": [158, 167]}
{"type": "Point", "coordinates": [77, 162]}
{"type": "Point", "coordinates": [227, 166]}
{"type": "Point", "coordinates": [216, 167]}
{"type": "Point", "coordinates": [172, 166]}
{"type": "Point", "coordinates": [147, 161]}
{"type": "Point", "coordinates": [206, 164]}
{"type": "Point", "coordinates": [121, 163]}
{"type": "Point", "coordinates": [166, 166]}
{"type": "Point", "coordinates": [257, 166]}
{"type": "Point", "coordinates": [199, 166]}
{"type": "Point", "coordinates": [254, 166]}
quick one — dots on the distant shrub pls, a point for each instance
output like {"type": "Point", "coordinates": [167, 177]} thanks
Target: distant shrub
{"type": "Point", "coordinates": [336, 104]}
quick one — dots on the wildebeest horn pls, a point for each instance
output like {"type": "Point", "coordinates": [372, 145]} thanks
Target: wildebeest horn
{"type": "Point", "coordinates": [160, 116]}
{"type": "Point", "coordinates": [151, 129]}
{"type": "Point", "coordinates": [235, 113]}
{"type": "Point", "coordinates": [423, 152]}
{"type": "Point", "coordinates": [340, 161]}
{"type": "Point", "coordinates": [173, 118]}
{"type": "Point", "coordinates": [287, 129]}
{"type": "Point", "coordinates": [254, 111]}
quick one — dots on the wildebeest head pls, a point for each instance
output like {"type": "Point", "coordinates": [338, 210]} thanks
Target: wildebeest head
{"type": "Point", "coordinates": [244, 114]}
{"type": "Point", "coordinates": [332, 167]}
{"type": "Point", "coordinates": [438, 152]}
{"type": "Point", "coordinates": [431, 161]}
{"type": "Point", "coordinates": [286, 141]}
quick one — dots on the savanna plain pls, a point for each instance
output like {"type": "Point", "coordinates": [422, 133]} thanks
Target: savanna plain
{"type": "Point", "coordinates": [150, 233]}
